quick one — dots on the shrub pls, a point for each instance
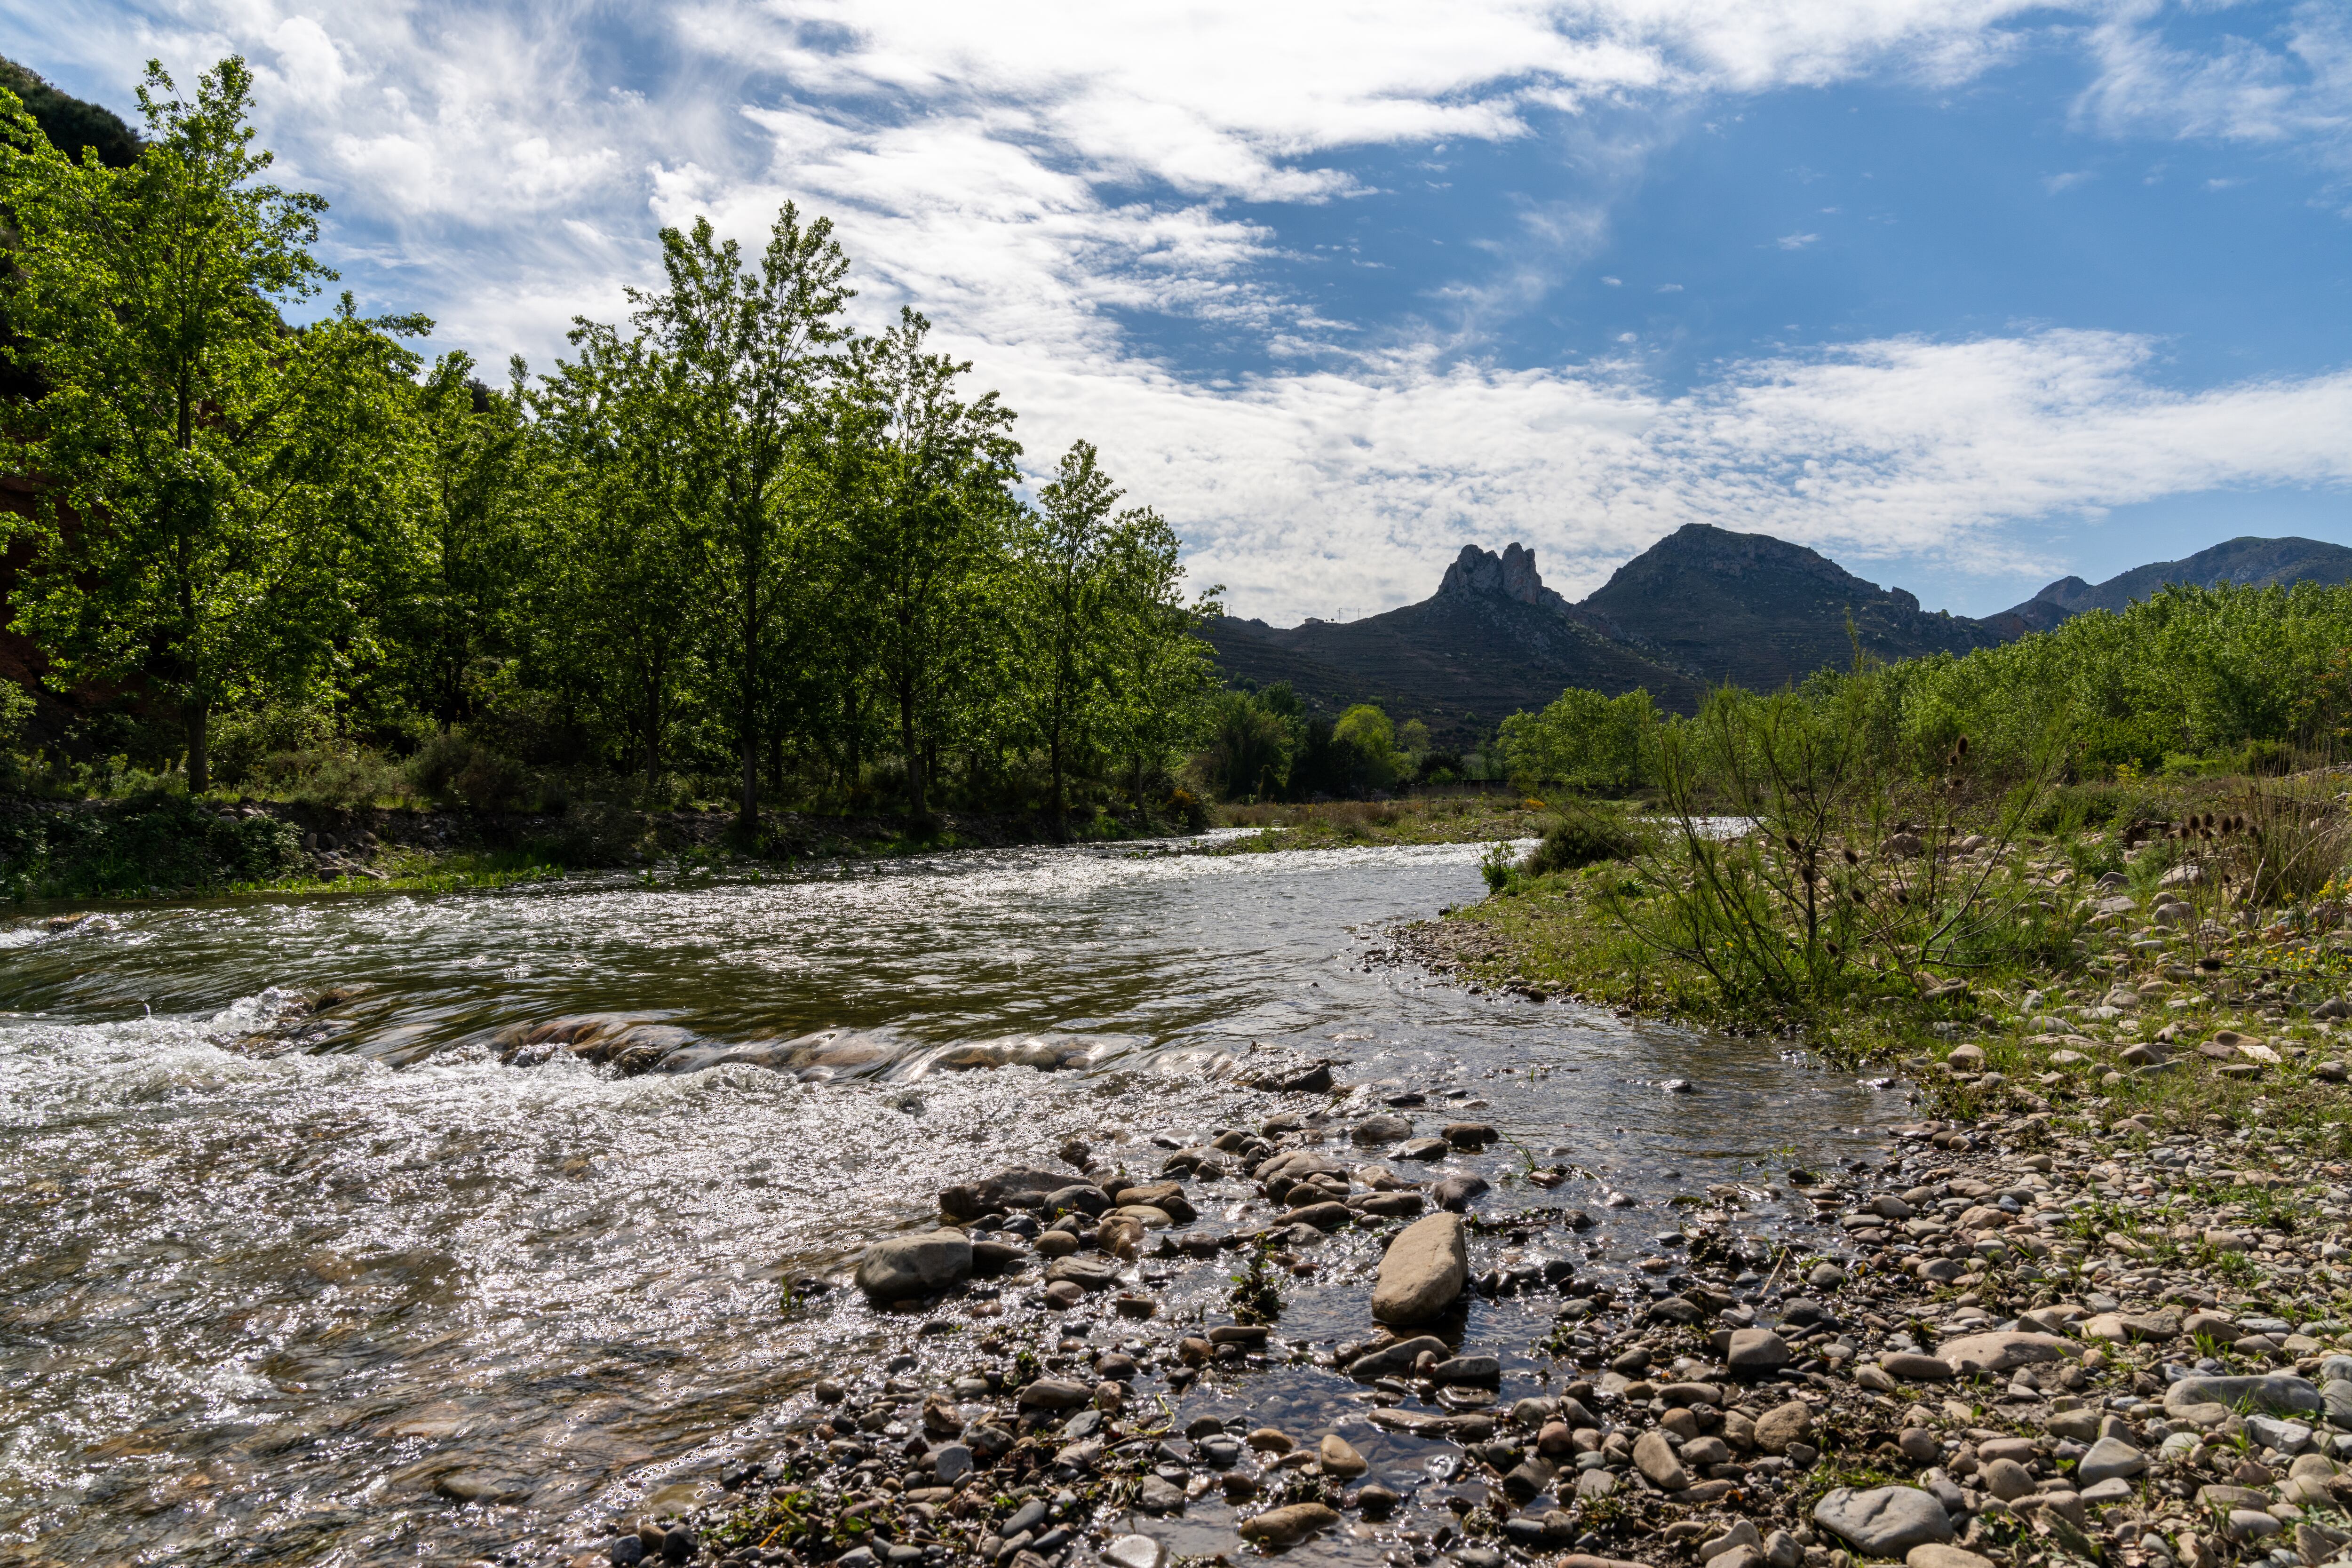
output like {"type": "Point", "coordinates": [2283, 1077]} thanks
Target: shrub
{"type": "Point", "coordinates": [458, 768]}
{"type": "Point", "coordinates": [597, 833]}
{"type": "Point", "coordinates": [1583, 839]}
{"type": "Point", "coordinates": [242, 742]}
{"type": "Point", "coordinates": [348, 781]}
{"type": "Point", "coordinates": [159, 840]}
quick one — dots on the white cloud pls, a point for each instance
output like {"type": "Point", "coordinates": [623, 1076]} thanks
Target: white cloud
{"type": "Point", "coordinates": [2291, 87]}
{"type": "Point", "coordinates": [2053, 184]}
{"type": "Point", "coordinates": [1039, 179]}
{"type": "Point", "coordinates": [1305, 490]}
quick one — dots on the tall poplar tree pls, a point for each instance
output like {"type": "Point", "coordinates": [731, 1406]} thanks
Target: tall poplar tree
{"type": "Point", "coordinates": [745, 344]}
{"type": "Point", "coordinates": [927, 480]}
{"type": "Point", "coordinates": [181, 420]}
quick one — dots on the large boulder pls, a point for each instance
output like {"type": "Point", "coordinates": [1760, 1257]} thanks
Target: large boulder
{"type": "Point", "coordinates": [1884, 1522]}
{"type": "Point", "coordinates": [1425, 1271]}
{"type": "Point", "coordinates": [911, 1266]}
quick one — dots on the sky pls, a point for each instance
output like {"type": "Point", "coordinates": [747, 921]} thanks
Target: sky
{"type": "Point", "coordinates": [1966, 294]}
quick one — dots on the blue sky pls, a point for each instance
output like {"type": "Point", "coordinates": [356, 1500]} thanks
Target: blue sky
{"type": "Point", "coordinates": [1968, 294]}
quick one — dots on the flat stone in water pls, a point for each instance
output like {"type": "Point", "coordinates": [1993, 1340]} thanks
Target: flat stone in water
{"type": "Point", "coordinates": [1135, 1552]}
{"type": "Point", "coordinates": [913, 1266]}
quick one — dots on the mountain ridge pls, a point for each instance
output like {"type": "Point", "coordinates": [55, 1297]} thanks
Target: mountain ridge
{"type": "Point", "coordinates": [2248, 561]}
{"type": "Point", "coordinates": [1703, 606]}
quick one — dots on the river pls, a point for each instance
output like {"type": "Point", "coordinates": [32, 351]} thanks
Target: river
{"type": "Point", "coordinates": [344, 1288]}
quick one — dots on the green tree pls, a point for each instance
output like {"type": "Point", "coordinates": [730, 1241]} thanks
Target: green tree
{"type": "Point", "coordinates": [624, 583]}
{"type": "Point", "coordinates": [1158, 671]}
{"type": "Point", "coordinates": [478, 486]}
{"type": "Point", "coordinates": [182, 422]}
{"type": "Point", "coordinates": [1583, 740]}
{"type": "Point", "coordinates": [1252, 736]}
{"type": "Point", "coordinates": [745, 349]}
{"type": "Point", "coordinates": [924, 476]}
{"type": "Point", "coordinates": [1057, 602]}
{"type": "Point", "coordinates": [1365, 736]}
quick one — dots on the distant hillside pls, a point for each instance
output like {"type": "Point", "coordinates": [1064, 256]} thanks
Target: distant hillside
{"type": "Point", "coordinates": [2254, 563]}
{"type": "Point", "coordinates": [1700, 607]}
{"type": "Point", "coordinates": [1758, 612]}
{"type": "Point", "coordinates": [1491, 641]}
{"type": "Point", "coordinates": [69, 123]}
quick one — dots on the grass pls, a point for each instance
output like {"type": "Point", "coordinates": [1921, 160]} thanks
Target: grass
{"type": "Point", "coordinates": [1347, 825]}
{"type": "Point", "coordinates": [1567, 933]}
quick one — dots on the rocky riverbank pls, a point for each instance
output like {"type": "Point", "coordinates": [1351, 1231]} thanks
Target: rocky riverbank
{"type": "Point", "coordinates": [2032, 1337]}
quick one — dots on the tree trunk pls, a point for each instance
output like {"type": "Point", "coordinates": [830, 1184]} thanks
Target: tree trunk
{"type": "Point", "coordinates": [917, 791]}
{"type": "Point", "coordinates": [748, 819]}
{"type": "Point", "coordinates": [197, 715]}
{"type": "Point", "coordinates": [652, 734]}
{"type": "Point", "coordinates": [1055, 749]}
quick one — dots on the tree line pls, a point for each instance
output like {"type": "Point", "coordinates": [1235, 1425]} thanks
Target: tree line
{"type": "Point", "coordinates": [728, 536]}
{"type": "Point", "coordinates": [2228, 679]}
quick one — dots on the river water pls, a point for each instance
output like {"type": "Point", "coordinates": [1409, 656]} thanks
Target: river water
{"type": "Point", "coordinates": [344, 1288]}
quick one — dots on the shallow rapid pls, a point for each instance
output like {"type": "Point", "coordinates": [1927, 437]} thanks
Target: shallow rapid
{"type": "Point", "coordinates": [342, 1286]}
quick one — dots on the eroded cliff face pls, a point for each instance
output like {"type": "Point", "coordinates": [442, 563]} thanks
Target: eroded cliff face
{"type": "Point", "coordinates": [1482, 574]}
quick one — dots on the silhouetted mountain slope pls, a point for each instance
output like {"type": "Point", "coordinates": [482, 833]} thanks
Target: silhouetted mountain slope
{"type": "Point", "coordinates": [2256, 562]}
{"type": "Point", "coordinates": [1702, 606]}
{"type": "Point", "coordinates": [68, 123]}
{"type": "Point", "coordinates": [1758, 612]}
{"type": "Point", "coordinates": [1491, 641]}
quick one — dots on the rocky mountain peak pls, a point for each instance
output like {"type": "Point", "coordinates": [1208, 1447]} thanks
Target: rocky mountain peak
{"type": "Point", "coordinates": [1482, 573]}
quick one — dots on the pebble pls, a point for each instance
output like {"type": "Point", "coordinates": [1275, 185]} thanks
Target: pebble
{"type": "Point", "coordinates": [1288, 1526]}
{"type": "Point", "coordinates": [1340, 1458]}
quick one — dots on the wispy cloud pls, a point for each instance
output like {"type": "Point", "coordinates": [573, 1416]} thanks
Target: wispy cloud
{"type": "Point", "coordinates": [1905, 446]}
{"type": "Point", "coordinates": [1059, 188]}
{"type": "Point", "coordinates": [2287, 84]}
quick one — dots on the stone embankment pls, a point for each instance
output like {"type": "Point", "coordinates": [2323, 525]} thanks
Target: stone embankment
{"type": "Point", "coordinates": [2022, 1343]}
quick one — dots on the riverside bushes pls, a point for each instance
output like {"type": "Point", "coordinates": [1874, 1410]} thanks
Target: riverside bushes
{"type": "Point", "coordinates": [158, 841]}
{"type": "Point", "coordinates": [2193, 682]}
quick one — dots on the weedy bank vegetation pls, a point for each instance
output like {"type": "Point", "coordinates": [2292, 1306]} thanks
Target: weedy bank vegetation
{"type": "Point", "coordinates": [2083, 859]}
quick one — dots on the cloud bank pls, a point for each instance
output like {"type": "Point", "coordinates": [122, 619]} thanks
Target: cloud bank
{"type": "Point", "coordinates": [1062, 191]}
